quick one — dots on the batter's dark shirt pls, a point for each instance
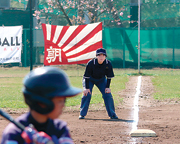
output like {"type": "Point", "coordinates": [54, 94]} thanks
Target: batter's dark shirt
{"type": "Point", "coordinates": [98, 71]}
{"type": "Point", "coordinates": [12, 134]}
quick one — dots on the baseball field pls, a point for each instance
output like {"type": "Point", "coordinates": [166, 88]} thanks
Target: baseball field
{"type": "Point", "coordinates": [158, 106]}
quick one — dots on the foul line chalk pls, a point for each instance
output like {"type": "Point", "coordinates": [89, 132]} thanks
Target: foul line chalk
{"type": "Point", "coordinates": [135, 107]}
{"type": "Point", "coordinates": [139, 132]}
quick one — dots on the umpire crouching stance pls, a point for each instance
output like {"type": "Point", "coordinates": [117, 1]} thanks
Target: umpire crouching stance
{"type": "Point", "coordinates": [98, 71]}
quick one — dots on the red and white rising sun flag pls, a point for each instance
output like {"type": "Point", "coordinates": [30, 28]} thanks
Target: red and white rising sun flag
{"type": "Point", "coordinates": [71, 44]}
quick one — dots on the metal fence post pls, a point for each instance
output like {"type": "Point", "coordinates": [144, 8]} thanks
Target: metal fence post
{"type": "Point", "coordinates": [173, 46]}
{"type": "Point", "coordinates": [31, 35]}
{"type": "Point", "coordinates": [123, 48]}
{"type": "Point", "coordinates": [25, 48]}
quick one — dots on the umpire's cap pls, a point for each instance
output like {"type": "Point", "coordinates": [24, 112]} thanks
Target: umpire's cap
{"type": "Point", "coordinates": [44, 83]}
{"type": "Point", "coordinates": [101, 51]}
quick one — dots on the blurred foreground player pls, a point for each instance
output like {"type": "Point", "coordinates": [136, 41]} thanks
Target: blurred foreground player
{"type": "Point", "coordinates": [45, 92]}
{"type": "Point", "coordinates": [98, 72]}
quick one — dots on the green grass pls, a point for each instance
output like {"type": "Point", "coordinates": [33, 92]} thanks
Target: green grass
{"type": "Point", "coordinates": [166, 87]}
{"type": "Point", "coordinates": [10, 92]}
{"type": "Point", "coordinates": [166, 83]}
{"type": "Point", "coordinates": [11, 86]}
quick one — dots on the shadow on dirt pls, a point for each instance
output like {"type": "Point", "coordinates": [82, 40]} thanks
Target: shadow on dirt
{"type": "Point", "coordinates": [118, 120]}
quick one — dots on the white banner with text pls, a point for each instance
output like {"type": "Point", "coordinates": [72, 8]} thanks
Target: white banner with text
{"type": "Point", "coordinates": [10, 44]}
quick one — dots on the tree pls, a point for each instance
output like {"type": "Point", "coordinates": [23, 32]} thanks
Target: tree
{"type": "Point", "coordinates": [82, 11]}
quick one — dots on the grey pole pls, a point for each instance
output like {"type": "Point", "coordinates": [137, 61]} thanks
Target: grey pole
{"type": "Point", "coordinates": [139, 9]}
{"type": "Point", "coordinates": [31, 35]}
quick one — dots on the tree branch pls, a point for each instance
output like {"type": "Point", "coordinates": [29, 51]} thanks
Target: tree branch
{"type": "Point", "coordinates": [66, 16]}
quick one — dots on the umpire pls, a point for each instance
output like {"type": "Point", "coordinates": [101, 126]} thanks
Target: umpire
{"type": "Point", "coordinates": [98, 71]}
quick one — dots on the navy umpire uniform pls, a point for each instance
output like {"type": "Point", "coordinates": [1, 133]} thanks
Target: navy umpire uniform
{"type": "Point", "coordinates": [98, 72]}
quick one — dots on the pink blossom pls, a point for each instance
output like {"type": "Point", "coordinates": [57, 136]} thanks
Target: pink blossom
{"type": "Point", "coordinates": [37, 17]}
{"type": "Point", "coordinates": [121, 13]}
{"type": "Point", "coordinates": [37, 12]}
{"type": "Point", "coordinates": [129, 16]}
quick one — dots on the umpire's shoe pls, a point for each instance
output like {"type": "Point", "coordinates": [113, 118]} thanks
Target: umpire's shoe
{"type": "Point", "coordinates": [81, 117]}
{"type": "Point", "coordinates": [114, 117]}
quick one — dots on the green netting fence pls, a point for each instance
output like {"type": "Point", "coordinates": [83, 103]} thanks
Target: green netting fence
{"type": "Point", "coordinates": [160, 47]}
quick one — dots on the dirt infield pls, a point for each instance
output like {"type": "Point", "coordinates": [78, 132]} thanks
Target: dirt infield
{"type": "Point", "coordinates": [160, 116]}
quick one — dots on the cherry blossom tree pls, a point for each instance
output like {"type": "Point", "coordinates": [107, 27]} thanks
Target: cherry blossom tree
{"type": "Point", "coordinates": [84, 11]}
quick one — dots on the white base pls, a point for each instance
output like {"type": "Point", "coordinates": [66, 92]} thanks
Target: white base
{"type": "Point", "coordinates": [142, 133]}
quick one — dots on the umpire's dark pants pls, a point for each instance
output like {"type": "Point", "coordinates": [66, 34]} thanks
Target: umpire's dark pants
{"type": "Point", "coordinates": [108, 99]}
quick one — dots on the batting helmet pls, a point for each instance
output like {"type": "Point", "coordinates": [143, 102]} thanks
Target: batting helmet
{"type": "Point", "coordinates": [43, 84]}
{"type": "Point", "coordinates": [101, 51]}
